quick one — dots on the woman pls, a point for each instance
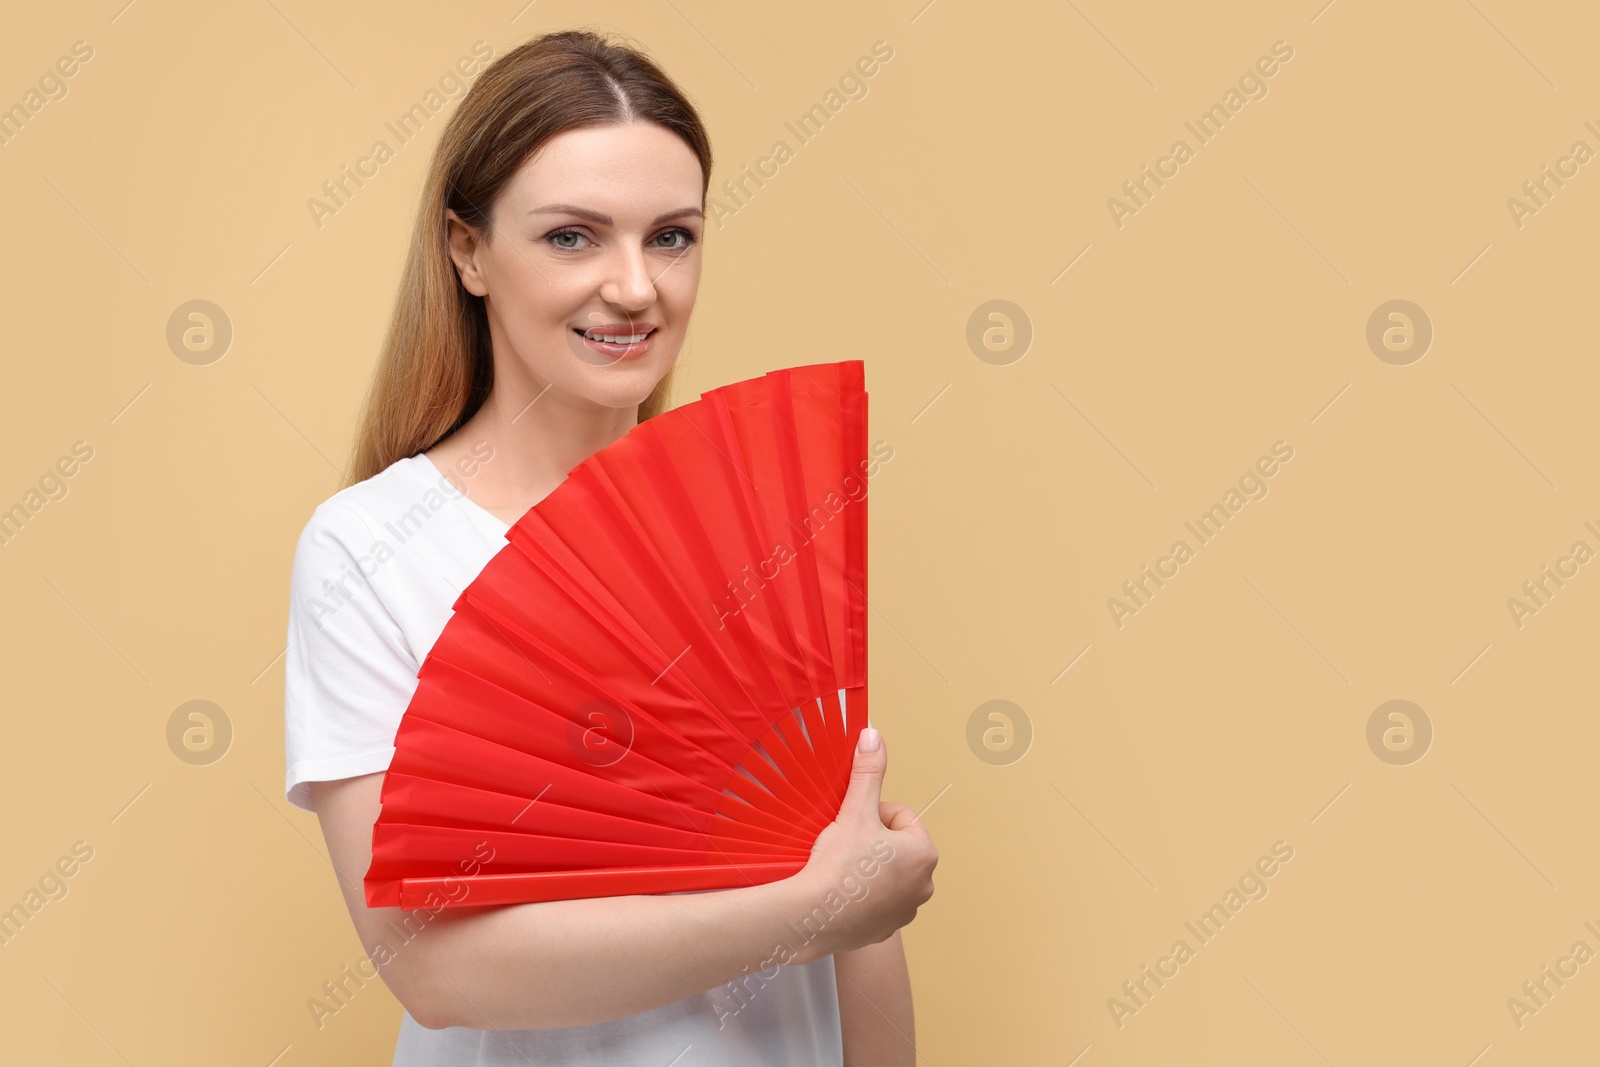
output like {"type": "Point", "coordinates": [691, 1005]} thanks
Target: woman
{"type": "Point", "coordinates": [544, 301]}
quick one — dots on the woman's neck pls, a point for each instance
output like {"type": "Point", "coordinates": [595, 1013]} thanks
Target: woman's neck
{"type": "Point", "coordinates": [522, 443]}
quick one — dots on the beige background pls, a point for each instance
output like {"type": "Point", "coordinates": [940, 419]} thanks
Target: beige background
{"type": "Point", "coordinates": [1230, 312]}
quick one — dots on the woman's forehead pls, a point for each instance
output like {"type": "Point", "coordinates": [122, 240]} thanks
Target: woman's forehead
{"type": "Point", "coordinates": [632, 173]}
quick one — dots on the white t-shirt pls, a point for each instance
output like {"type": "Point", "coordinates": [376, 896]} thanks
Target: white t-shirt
{"type": "Point", "coordinates": [376, 572]}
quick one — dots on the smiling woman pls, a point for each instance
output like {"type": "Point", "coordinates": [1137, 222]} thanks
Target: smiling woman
{"type": "Point", "coordinates": [544, 300]}
{"type": "Point", "coordinates": [595, 244]}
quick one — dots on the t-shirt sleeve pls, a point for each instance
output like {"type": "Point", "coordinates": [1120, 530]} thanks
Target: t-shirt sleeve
{"type": "Point", "coordinates": [349, 670]}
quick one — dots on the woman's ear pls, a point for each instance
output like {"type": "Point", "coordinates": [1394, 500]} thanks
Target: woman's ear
{"type": "Point", "coordinates": [465, 248]}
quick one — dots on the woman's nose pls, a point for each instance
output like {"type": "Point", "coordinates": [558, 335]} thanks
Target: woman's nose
{"type": "Point", "coordinates": [629, 283]}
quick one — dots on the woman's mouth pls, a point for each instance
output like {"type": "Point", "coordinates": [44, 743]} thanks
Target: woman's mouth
{"type": "Point", "coordinates": [618, 344]}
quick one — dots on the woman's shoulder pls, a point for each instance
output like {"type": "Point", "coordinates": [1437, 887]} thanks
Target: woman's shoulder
{"type": "Point", "coordinates": [352, 515]}
{"type": "Point", "coordinates": [334, 555]}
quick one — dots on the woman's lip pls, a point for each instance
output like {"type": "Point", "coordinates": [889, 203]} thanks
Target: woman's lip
{"type": "Point", "coordinates": [619, 351]}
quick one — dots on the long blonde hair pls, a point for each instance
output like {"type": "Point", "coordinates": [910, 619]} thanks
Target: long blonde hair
{"type": "Point", "coordinates": [436, 367]}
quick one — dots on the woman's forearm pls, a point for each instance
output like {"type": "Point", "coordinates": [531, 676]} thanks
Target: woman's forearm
{"type": "Point", "coordinates": [875, 1014]}
{"type": "Point", "coordinates": [569, 962]}
{"type": "Point", "coordinates": [580, 962]}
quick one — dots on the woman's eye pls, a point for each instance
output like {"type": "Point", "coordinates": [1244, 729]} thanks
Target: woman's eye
{"type": "Point", "coordinates": [557, 239]}
{"type": "Point", "coordinates": [682, 245]}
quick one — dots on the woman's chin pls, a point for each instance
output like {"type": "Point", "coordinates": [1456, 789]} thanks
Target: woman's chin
{"type": "Point", "coordinates": [624, 385]}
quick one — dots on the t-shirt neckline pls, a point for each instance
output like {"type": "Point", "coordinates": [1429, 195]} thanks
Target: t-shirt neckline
{"type": "Point", "coordinates": [433, 473]}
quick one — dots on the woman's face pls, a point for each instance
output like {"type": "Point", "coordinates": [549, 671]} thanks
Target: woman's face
{"type": "Point", "coordinates": [595, 241]}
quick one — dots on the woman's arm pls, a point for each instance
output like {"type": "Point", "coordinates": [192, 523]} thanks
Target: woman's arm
{"type": "Point", "coordinates": [555, 964]}
{"type": "Point", "coordinates": [579, 962]}
{"type": "Point", "coordinates": [875, 1005]}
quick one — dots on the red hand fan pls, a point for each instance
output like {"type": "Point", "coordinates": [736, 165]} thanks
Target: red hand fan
{"type": "Point", "coordinates": [657, 683]}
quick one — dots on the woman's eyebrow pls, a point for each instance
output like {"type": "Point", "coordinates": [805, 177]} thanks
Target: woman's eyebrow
{"type": "Point", "coordinates": [605, 220]}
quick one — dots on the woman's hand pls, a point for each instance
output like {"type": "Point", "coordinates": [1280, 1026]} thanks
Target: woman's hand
{"type": "Point", "coordinates": [870, 869]}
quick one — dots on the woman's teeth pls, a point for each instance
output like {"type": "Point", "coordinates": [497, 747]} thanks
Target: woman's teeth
{"type": "Point", "coordinates": [618, 339]}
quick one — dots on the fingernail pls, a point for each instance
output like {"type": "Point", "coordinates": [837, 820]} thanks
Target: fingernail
{"type": "Point", "coordinates": [869, 740]}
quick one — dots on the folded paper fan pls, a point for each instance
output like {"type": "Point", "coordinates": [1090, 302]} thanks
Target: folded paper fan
{"type": "Point", "coordinates": [657, 683]}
